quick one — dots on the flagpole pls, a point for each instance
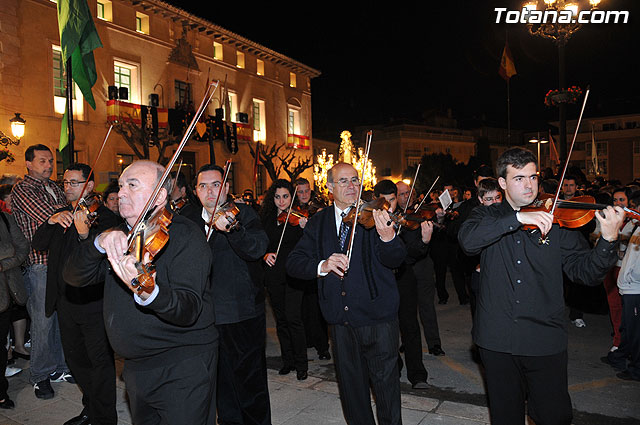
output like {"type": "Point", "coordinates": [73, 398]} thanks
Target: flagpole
{"type": "Point", "coordinates": [69, 147]}
{"type": "Point", "coordinates": [508, 112]}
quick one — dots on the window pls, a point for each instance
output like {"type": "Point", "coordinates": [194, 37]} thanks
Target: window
{"type": "Point", "coordinates": [636, 147]}
{"type": "Point", "coordinates": [240, 60]}
{"type": "Point", "coordinates": [259, 124]}
{"type": "Point", "coordinates": [60, 87]}
{"type": "Point", "coordinates": [217, 51]}
{"type": "Point", "coordinates": [142, 23]}
{"type": "Point", "coordinates": [260, 67]}
{"type": "Point", "coordinates": [124, 160]}
{"type": "Point", "coordinates": [292, 79]}
{"type": "Point", "coordinates": [183, 93]}
{"type": "Point", "coordinates": [601, 148]}
{"type": "Point", "coordinates": [609, 127]}
{"type": "Point", "coordinates": [126, 75]}
{"type": "Point", "coordinates": [59, 76]}
{"type": "Point", "coordinates": [293, 123]}
{"type": "Point", "coordinates": [233, 103]}
{"type": "Point", "coordinates": [104, 10]}
{"type": "Point", "coordinates": [413, 161]}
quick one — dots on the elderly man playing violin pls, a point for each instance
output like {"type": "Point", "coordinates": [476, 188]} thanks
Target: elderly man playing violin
{"type": "Point", "coordinates": [520, 323]}
{"type": "Point", "coordinates": [361, 304]}
{"type": "Point", "coordinates": [166, 336]}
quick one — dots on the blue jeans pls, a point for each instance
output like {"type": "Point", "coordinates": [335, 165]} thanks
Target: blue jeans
{"type": "Point", "coordinates": [46, 348]}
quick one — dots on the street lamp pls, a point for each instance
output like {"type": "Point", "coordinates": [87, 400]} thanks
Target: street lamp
{"type": "Point", "coordinates": [559, 33]}
{"type": "Point", "coordinates": [538, 141]}
{"type": "Point", "coordinates": [17, 129]}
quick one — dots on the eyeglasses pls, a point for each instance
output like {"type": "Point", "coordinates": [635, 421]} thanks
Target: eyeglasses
{"type": "Point", "coordinates": [496, 198]}
{"type": "Point", "coordinates": [72, 183]}
{"type": "Point", "coordinates": [344, 182]}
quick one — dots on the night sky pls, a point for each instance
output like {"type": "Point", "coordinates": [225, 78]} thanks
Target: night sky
{"type": "Point", "coordinates": [403, 63]}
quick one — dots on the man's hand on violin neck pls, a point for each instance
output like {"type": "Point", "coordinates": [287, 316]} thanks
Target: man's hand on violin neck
{"type": "Point", "coordinates": [336, 263]}
{"type": "Point", "coordinates": [384, 225]}
{"type": "Point", "coordinates": [611, 223]}
{"type": "Point", "coordinates": [541, 219]}
{"type": "Point", "coordinates": [114, 243]}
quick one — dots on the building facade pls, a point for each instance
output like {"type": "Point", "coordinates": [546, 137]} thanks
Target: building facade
{"type": "Point", "coordinates": [150, 47]}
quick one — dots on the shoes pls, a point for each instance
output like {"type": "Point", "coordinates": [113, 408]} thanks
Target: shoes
{"type": "Point", "coordinates": [613, 348]}
{"type": "Point", "coordinates": [7, 403]}
{"type": "Point", "coordinates": [43, 390]}
{"type": "Point", "coordinates": [21, 356]}
{"type": "Point", "coordinates": [324, 356]}
{"type": "Point", "coordinates": [285, 370]}
{"type": "Point", "coordinates": [615, 366]}
{"type": "Point", "coordinates": [27, 344]}
{"type": "Point", "coordinates": [81, 419]}
{"type": "Point", "coordinates": [62, 377]}
{"type": "Point", "coordinates": [627, 376]}
{"type": "Point", "coordinates": [443, 301]}
{"type": "Point", "coordinates": [420, 385]}
{"type": "Point", "coordinates": [301, 375]}
{"type": "Point", "coordinates": [11, 370]}
{"type": "Point", "coordinates": [579, 323]}
{"type": "Point", "coordinates": [436, 351]}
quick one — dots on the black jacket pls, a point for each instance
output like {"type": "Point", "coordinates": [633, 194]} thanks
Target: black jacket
{"type": "Point", "coordinates": [368, 295]}
{"type": "Point", "coordinates": [236, 271]}
{"type": "Point", "coordinates": [178, 324]}
{"type": "Point", "coordinates": [292, 235]}
{"type": "Point", "coordinates": [53, 238]}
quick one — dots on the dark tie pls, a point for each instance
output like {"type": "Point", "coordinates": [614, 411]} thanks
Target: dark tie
{"type": "Point", "coordinates": [344, 231]}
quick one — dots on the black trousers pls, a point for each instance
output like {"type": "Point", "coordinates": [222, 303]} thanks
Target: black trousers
{"type": "Point", "coordinates": [444, 256]}
{"type": "Point", "coordinates": [426, 288]}
{"type": "Point", "coordinates": [316, 332]}
{"type": "Point", "coordinates": [367, 356]}
{"type": "Point", "coordinates": [630, 337]}
{"type": "Point", "coordinates": [243, 395]}
{"type": "Point", "coordinates": [90, 358]}
{"type": "Point", "coordinates": [409, 327]}
{"type": "Point", "coordinates": [5, 322]}
{"type": "Point", "coordinates": [286, 301]}
{"type": "Point", "coordinates": [539, 380]}
{"type": "Point", "coordinates": [180, 393]}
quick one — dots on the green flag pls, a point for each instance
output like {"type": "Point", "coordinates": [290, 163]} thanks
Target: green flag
{"type": "Point", "coordinates": [78, 39]}
{"type": "Point", "coordinates": [64, 130]}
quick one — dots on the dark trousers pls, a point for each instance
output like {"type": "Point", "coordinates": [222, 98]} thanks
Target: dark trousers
{"type": "Point", "coordinates": [629, 348]}
{"type": "Point", "coordinates": [426, 288]}
{"type": "Point", "coordinates": [90, 358]}
{"type": "Point", "coordinates": [446, 256]}
{"type": "Point", "coordinates": [316, 331]}
{"type": "Point", "coordinates": [409, 327]}
{"type": "Point", "coordinates": [541, 381]}
{"type": "Point", "coordinates": [5, 322]}
{"type": "Point", "coordinates": [243, 395]}
{"type": "Point", "coordinates": [179, 393]}
{"type": "Point", "coordinates": [286, 301]}
{"type": "Point", "coordinates": [367, 356]}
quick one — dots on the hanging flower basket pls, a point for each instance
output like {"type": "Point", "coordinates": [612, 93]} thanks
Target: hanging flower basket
{"type": "Point", "coordinates": [5, 154]}
{"type": "Point", "coordinates": [556, 97]}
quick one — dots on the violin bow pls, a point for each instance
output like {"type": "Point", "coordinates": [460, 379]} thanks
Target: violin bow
{"type": "Point", "coordinates": [227, 168]}
{"type": "Point", "coordinates": [413, 185]}
{"type": "Point", "coordinates": [175, 181]}
{"type": "Point", "coordinates": [427, 195]}
{"type": "Point", "coordinates": [139, 224]}
{"type": "Point", "coordinates": [357, 203]}
{"type": "Point", "coordinates": [286, 221]}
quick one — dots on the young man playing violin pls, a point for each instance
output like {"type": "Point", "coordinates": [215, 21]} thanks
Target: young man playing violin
{"type": "Point", "coordinates": [358, 296]}
{"type": "Point", "coordinates": [166, 336]}
{"type": "Point", "coordinates": [520, 324]}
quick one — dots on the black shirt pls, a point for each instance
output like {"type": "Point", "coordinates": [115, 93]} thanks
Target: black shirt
{"type": "Point", "coordinates": [520, 308]}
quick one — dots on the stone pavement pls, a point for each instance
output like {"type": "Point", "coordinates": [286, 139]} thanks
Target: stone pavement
{"type": "Point", "coordinates": [456, 393]}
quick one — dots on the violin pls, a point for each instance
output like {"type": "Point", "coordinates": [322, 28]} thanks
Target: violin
{"type": "Point", "coordinates": [297, 213]}
{"type": "Point", "coordinates": [365, 215]}
{"type": "Point", "coordinates": [230, 210]}
{"type": "Point", "coordinates": [90, 205]}
{"type": "Point", "coordinates": [179, 204]}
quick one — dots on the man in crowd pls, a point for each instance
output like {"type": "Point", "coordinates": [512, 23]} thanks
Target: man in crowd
{"type": "Point", "coordinates": [242, 394]}
{"type": "Point", "coordinates": [34, 200]}
{"type": "Point", "coordinates": [358, 296]}
{"type": "Point", "coordinates": [425, 286]}
{"type": "Point", "coordinates": [165, 330]}
{"type": "Point", "coordinates": [417, 242]}
{"type": "Point", "coordinates": [79, 310]}
{"type": "Point", "coordinates": [520, 327]}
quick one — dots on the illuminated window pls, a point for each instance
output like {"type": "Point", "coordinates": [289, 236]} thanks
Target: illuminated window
{"type": "Point", "coordinates": [293, 122]}
{"type": "Point", "coordinates": [233, 103]}
{"type": "Point", "coordinates": [292, 79]}
{"type": "Point", "coordinates": [126, 75]}
{"type": "Point", "coordinates": [240, 60]}
{"type": "Point", "coordinates": [60, 87]}
{"type": "Point", "coordinates": [260, 67]}
{"type": "Point", "coordinates": [142, 23]}
{"type": "Point", "coordinates": [259, 122]}
{"type": "Point", "coordinates": [104, 10]}
{"type": "Point", "coordinates": [217, 51]}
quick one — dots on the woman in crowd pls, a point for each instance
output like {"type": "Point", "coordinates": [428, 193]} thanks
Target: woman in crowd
{"type": "Point", "coordinates": [285, 292]}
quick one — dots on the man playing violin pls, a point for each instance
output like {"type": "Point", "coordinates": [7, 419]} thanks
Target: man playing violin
{"type": "Point", "coordinates": [166, 336]}
{"type": "Point", "coordinates": [84, 341]}
{"type": "Point", "coordinates": [358, 297]}
{"type": "Point", "coordinates": [520, 324]}
{"type": "Point", "coordinates": [236, 281]}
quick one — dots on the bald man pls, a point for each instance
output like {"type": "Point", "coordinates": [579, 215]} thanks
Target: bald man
{"type": "Point", "coordinates": [166, 336]}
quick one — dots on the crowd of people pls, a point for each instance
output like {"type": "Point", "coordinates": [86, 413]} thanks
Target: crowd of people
{"type": "Point", "coordinates": [189, 320]}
